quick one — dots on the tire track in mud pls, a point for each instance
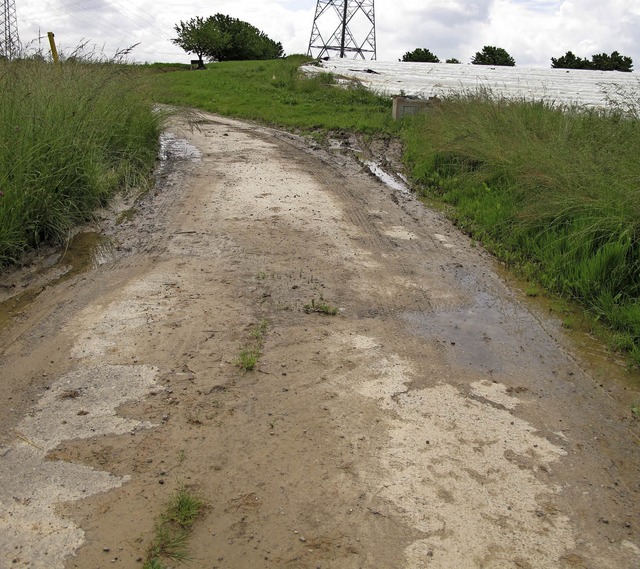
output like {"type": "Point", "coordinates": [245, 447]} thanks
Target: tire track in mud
{"type": "Point", "coordinates": [370, 236]}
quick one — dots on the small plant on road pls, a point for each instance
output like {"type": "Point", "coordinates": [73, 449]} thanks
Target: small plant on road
{"type": "Point", "coordinates": [250, 353]}
{"type": "Point", "coordinates": [248, 358]}
{"type": "Point", "coordinates": [172, 529]}
{"type": "Point", "coordinates": [321, 307]}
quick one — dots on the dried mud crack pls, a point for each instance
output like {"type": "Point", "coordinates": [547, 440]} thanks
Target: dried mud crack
{"type": "Point", "coordinates": [433, 422]}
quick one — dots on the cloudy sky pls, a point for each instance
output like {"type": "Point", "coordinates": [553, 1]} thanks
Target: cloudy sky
{"type": "Point", "coordinates": [532, 31]}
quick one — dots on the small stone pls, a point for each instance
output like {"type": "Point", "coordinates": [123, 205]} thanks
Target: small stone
{"type": "Point", "coordinates": [106, 549]}
{"type": "Point", "coordinates": [303, 539]}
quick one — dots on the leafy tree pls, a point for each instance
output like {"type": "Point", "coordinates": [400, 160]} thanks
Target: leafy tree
{"type": "Point", "coordinates": [222, 38]}
{"type": "Point", "coordinates": [193, 36]}
{"type": "Point", "coordinates": [613, 62]}
{"type": "Point", "coordinates": [491, 55]}
{"type": "Point", "coordinates": [599, 61]}
{"type": "Point", "coordinates": [453, 60]}
{"type": "Point", "coordinates": [570, 61]}
{"type": "Point", "coordinates": [420, 55]}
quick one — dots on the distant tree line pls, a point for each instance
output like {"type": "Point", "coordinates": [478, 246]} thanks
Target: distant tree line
{"type": "Point", "coordinates": [491, 55]}
{"type": "Point", "coordinates": [223, 38]}
{"type": "Point", "coordinates": [599, 61]}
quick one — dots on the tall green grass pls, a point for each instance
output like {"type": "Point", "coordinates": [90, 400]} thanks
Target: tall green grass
{"type": "Point", "coordinates": [552, 191]}
{"type": "Point", "coordinates": [276, 92]}
{"type": "Point", "coordinates": [70, 136]}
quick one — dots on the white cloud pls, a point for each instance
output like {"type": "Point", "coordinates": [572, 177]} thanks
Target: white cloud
{"type": "Point", "coordinates": [532, 31]}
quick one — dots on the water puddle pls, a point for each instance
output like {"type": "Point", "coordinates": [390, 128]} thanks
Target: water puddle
{"type": "Point", "coordinates": [387, 178]}
{"type": "Point", "coordinates": [126, 215]}
{"type": "Point", "coordinates": [574, 327]}
{"type": "Point", "coordinates": [486, 334]}
{"type": "Point", "coordinates": [497, 335]}
{"type": "Point", "coordinates": [85, 251]}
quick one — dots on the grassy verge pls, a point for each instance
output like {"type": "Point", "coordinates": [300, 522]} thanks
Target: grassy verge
{"type": "Point", "coordinates": [555, 193]}
{"type": "Point", "coordinates": [70, 136]}
{"type": "Point", "coordinates": [277, 93]}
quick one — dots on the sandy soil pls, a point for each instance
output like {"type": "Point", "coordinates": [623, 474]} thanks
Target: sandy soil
{"type": "Point", "coordinates": [435, 422]}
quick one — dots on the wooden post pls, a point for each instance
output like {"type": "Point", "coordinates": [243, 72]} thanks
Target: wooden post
{"type": "Point", "coordinates": [54, 51]}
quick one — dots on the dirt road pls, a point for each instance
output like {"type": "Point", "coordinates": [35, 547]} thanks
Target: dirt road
{"type": "Point", "coordinates": [434, 422]}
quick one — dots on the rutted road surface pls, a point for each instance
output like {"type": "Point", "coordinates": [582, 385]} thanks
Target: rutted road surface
{"type": "Point", "coordinates": [433, 423]}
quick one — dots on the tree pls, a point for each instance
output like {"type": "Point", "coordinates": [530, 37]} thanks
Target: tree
{"type": "Point", "coordinates": [613, 62]}
{"type": "Point", "coordinates": [599, 61]}
{"type": "Point", "coordinates": [570, 61]}
{"type": "Point", "coordinates": [453, 60]}
{"type": "Point", "coordinates": [420, 55]}
{"type": "Point", "coordinates": [222, 38]}
{"type": "Point", "coordinates": [491, 55]}
{"type": "Point", "coordinates": [193, 36]}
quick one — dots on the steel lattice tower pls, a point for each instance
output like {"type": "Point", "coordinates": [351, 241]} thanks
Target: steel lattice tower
{"type": "Point", "coordinates": [9, 40]}
{"type": "Point", "coordinates": [344, 27]}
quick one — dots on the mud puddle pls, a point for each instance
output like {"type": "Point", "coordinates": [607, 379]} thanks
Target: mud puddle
{"type": "Point", "coordinates": [85, 251]}
{"type": "Point", "coordinates": [386, 178]}
{"type": "Point", "coordinates": [493, 334]}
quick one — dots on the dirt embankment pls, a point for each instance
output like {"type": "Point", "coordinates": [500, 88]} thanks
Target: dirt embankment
{"type": "Point", "coordinates": [434, 422]}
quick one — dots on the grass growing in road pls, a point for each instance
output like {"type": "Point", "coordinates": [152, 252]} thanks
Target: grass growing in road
{"type": "Point", "coordinates": [172, 529]}
{"type": "Point", "coordinates": [321, 307]}
{"type": "Point", "coordinates": [70, 137]}
{"type": "Point", "coordinates": [250, 353]}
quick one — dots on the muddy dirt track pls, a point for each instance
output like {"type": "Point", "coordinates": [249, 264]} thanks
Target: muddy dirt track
{"type": "Point", "coordinates": [434, 422]}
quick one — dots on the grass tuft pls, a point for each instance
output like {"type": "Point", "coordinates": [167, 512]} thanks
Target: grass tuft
{"type": "Point", "coordinates": [172, 529]}
{"type": "Point", "coordinates": [250, 353]}
{"type": "Point", "coordinates": [320, 307]}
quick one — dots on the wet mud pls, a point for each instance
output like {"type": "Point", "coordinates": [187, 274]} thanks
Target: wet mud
{"type": "Point", "coordinates": [437, 420]}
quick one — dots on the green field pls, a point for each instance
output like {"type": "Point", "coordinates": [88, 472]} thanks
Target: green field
{"type": "Point", "coordinates": [554, 193]}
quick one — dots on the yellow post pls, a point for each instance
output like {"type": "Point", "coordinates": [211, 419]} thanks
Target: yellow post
{"type": "Point", "coordinates": [54, 51]}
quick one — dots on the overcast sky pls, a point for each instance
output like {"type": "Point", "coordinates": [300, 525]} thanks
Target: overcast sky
{"type": "Point", "coordinates": [532, 31]}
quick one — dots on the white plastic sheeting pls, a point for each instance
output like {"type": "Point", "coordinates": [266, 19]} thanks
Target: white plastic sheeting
{"type": "Point", "coordinates": [561, 86]}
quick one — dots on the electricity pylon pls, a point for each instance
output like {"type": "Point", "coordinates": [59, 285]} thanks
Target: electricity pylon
{"type": "Point", "coordinates": [343, 28]}
{"type": "Point", "coordinates": [9, 40]}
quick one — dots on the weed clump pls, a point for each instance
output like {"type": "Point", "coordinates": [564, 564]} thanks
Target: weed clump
{"type": "Point", "coordinates": [320, 307]}
{"type": "Point", "coordinates": [172, 529]}
{"type": "Point", "coordinates": [250, 353]}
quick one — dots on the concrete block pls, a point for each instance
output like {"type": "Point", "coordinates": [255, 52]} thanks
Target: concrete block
{"type": "Point", "coordinates": [407, 106]}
